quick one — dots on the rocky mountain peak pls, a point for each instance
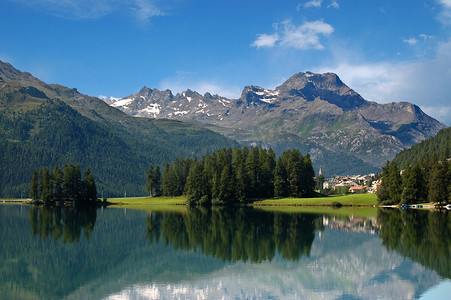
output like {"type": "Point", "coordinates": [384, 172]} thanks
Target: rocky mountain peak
{"type": "Point", "coordinates": [257, 94]}
{"type": "Point", "coordinates": [327, 86]}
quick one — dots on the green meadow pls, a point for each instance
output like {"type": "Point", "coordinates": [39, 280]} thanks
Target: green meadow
{"type": "Point", "coordinates": [345, 200]}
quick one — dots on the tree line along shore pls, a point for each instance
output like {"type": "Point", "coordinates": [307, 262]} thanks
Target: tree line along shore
{"type": "Point", "coordinates": [240, 176]}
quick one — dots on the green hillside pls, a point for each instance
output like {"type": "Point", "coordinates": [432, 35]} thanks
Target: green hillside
{"type": "Point", "coordinates": [439, 145]}
{"type": "Point", "coordinates": [45, 125]}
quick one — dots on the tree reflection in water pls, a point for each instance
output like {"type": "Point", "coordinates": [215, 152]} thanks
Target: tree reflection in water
{"type": "Point", "coordinates": [233, 235]}
{"type": "Point", "coordinates": [64, 223]}
{"type": "Point", "coordinates": [423, 236]}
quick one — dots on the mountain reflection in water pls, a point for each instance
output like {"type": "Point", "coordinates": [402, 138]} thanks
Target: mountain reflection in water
{"type": "Point", "coordinates": [199, 253]}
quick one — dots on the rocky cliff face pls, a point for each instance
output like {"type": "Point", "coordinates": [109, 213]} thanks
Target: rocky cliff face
{"type": "Point", "coordinates": [319, 109]}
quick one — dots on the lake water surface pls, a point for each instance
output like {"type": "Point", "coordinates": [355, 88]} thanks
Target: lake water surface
{"type": "Point", "coordinates": [118, 253]}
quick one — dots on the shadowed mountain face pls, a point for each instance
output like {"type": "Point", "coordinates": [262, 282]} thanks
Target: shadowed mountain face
{"type": "Point", "coordinates": [317, 110]}
{"type": "Point", "coordinates": [44, 125]}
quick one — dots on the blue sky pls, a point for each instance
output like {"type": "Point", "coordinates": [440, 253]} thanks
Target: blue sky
{"type": "Point", "coordinates": [385, 50]}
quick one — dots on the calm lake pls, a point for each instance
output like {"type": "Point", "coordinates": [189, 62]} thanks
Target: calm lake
{"type": "Point", "coordinates": [117, 253]}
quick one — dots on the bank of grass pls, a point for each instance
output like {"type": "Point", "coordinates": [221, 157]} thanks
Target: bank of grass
{"type": "Point", "coordinates": [137, 201]}
{"type": "Point", "coordinates": [345, 200]}
{"type": "Point", "coordinates": [14, 201]}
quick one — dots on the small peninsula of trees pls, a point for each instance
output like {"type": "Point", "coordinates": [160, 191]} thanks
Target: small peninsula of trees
{"type": "Point", "coordinates": [58, 185]}
{"type": "Point", "coordinates": [428, 180]}
{"type": "Point", "coordinates": [230, 176]}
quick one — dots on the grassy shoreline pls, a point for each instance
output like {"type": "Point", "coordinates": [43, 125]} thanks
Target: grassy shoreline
{"type": "Point", "coordinates": [358, 201]}
{"type": "Point", "coordinates": [365, 200]}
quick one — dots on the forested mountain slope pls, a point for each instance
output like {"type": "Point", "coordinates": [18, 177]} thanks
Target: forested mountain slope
{"type": "Point", "coordinates": [46, 125]}
{"type": "Point", "coordinates": [439, 145]}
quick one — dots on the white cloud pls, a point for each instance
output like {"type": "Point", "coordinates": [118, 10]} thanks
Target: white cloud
{"type": "Point", "coordinates": [410, 41]}
{"type": "Point", "coordinates": [302, 37]}
{"type": "Point", "coordinates": [413, 40]}
{"type": "Point", "coordinates": [445, 3]}
{"type": "Point", "coordinates": [93, 9]}
{"type": "Point", "coordinates": [313, 3]}
{"type": "Point", "coordinates": [317, 4]}
{"type": "Point", "coordinates": [265, 40]}
{"type": "Point", "coordinates": [423, 82]}
{"type": "Point", "coordinates": [445, 15]}
{"type": "Point", "coordinates": [425, 37]}
{"type": "Point", "coordinates": [145, 9]}
{"type": "Point", "coordinates": [334, 4]}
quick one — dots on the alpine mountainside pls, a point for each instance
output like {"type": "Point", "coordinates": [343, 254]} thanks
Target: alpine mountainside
{"type": "Point", "coordinates": [438, 145]}
{"type": "Point", "coordinates": [315, 111]}
{"type": "Point", "coordinates": [43, 125]}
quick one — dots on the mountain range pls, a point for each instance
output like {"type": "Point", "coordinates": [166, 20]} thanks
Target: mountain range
{"type": "Point", "coordinates": [317, 113]}
{"type": "Point", "coordinates": [48, 125]}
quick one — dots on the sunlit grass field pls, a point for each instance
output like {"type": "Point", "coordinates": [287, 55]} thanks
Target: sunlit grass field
{"type": "Point", "coordinates": [346, 200]}
{"type": "Point", "coordinates": [149, 200]}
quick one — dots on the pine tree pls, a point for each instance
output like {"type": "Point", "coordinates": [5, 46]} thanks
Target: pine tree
{"type": "Point", "coordinates": [308, 176]}
{"type": "Point", "coordinates": [165, 182]}
{"type": "Point", "coordinates": [241, 179]}
{"type": "Point", "coordinates": [266, 171]}
{"type": "Point", "coordinates": [90, 187]}
{"type": "Point", "coordinates": [34, 186]}
{"type": "Point", "coordinates": [382, 191]}
{"type": "Point", "coordinates": [157, 180]}
{"type": "Point", "coordinates": [413, 185]}
{"type": "Point", "coordinates": [439, 183]}
{"type": "Point", "coordinates": [150, 186]}
{"type": "Point", "coordinates": [46, 186]}
{"type": "Point", "coordinates": [227, 186]}
{"type": "Point", "coordinates": [281, 185]}
{"type": "Point", "coordinates": [195, 185]}
{"type": "Point", "coordinates": [294, 167]}
{"type": "Point", "coordinates": [394, 184]}
{"type": "Point", "coordinates": [252, 171]}
{"type": "Point", "coordinates": [409, 192]}
{"type": "Point", "coordinates": [58, 180]}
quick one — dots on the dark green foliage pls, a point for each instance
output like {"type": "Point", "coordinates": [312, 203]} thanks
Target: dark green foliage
{"type": "Point", "coordinates": [439, 185]}
{"type": "Point", "coordinates": [49, 187]}
{"type": "Point", "coordinates": [196, 186]}
{"type": "Point", "coordinates": [294, 175]}
{"type": "Point", "coordinates": [119, 148]}
{"type": "Point", "coordinates": [427, 180]}
{"type": "Point", "coordinates": [391, 187]}
{"type": "Point", "coordinates": [229, 177]}
{"type": "Point", "coordinates": [439, 145]}
{"type": "Point", "coordinates": [90, 187]}
{"type": "Point", "coordinates": [153, 180]}
{"type": "Point", "coordinates": [174, 178]}
{"type": "Point", "coordinates": [34, 185]}
{"type": "Point", "coordinates": [414, 190]}
{"type": "Point", "coordinates": [426, 176]}
{"type": "Point", "coordinates": [394, 183]}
